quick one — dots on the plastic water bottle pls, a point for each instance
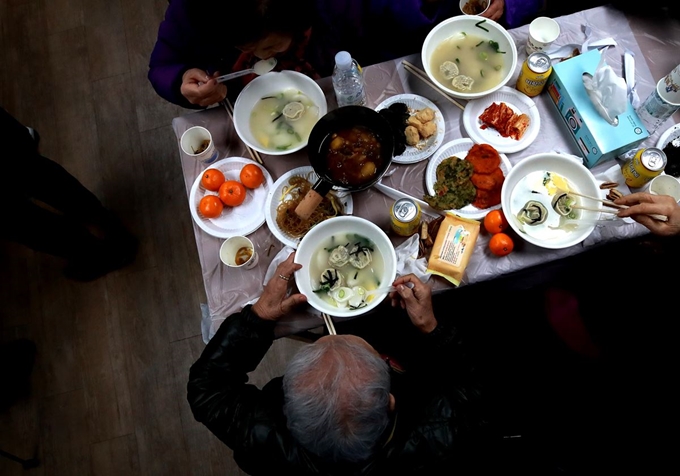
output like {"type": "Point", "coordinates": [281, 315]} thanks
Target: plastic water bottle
{"type": "Point", "coordinates": [348, 81]}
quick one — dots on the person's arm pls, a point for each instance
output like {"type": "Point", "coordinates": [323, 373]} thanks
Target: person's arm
{"type": "Point", "coordinates": [176, 71]}
{"type": "Point", "coordinates": [439, 345]}
{"type": "Point", "coordinates": [644, 204]}
{"type": "Point", "coordinates": [217, 390]}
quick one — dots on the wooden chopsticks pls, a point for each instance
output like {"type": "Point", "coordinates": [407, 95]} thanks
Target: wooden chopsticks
{"type": "Point", "coordinates": [612, 205]}
{"type": "Point", "coordinates": [420, 74]}
{"type": "Point", "coordinates": [230, 110]}
{"type": "Point", "coordinates": [329, 324]}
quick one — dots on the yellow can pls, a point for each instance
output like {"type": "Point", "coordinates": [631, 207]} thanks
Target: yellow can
{"type": "Point", "coordinates": [535, 72]}
{"type": "Point", "coordinates": [643, 166]}
{"type": "Point", "coordinates": [405, 215]}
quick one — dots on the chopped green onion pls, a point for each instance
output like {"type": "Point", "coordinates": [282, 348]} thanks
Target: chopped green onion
{"type": "Point", "coordinates": [479, 43]}
{"type": "Point", "coordinates": [481, 73]}
{"type": "Point", "coordinates": [497, 67]}
{"type": "Point", "coordinates": [483, 55]}
{"type": "Point", "coordinates": [479, 23]}
{"type": "Point", "coordinates": [457, 60]}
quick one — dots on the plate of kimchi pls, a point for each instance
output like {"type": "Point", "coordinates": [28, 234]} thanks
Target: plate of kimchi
{"type": "Point", "coordinates": [506, 119]}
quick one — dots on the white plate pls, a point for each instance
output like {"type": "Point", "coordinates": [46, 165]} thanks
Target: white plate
{"type": "Point", "coordinates": [671, 133]}
{"type": "Point", "coordinates": [427, 147]}
{"type": "Point", "coordinates": [241, 220]}
{"type": "Point", "coordinates": [519, 103]}
{"type": "Point", "coordinates": [275, 196]}
{"type": "Point", "coordinates": [460, 148]}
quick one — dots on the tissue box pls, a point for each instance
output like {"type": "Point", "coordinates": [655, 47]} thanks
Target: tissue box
{"type": "Point", "coordinates": [597, 140]}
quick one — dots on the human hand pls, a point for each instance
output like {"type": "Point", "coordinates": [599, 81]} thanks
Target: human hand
{"type": "Point", "coordinates": [643, 204]}
{"type": "Point", "coordinates": [495, 10]}
{"type": "Point", "coordinates": [416, 300]}
{"type": "Point", "coordinates": [273, 303]}
{"type": "Point", "coordinates": [201, 89]}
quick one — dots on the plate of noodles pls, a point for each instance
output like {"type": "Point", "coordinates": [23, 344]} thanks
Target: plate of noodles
{"type": "Point", "coordinates": [285, 195]}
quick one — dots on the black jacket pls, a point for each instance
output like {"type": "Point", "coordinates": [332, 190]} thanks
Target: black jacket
{"type": "Point", "coordinates": [437, 427]}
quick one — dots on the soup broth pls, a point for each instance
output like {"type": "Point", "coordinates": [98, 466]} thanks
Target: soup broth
{"type": "Point", "coordinates": [283, 121]}
{"type": "Point", "coordinates": [354, 155]}
{"type": "Point", "coordinates": [334, 274]}
{"type": "Point", "coordinates": [471, 56]}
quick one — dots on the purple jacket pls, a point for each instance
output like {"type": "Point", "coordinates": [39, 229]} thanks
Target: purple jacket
{"type": "Point", "coordinates": [372, 31]}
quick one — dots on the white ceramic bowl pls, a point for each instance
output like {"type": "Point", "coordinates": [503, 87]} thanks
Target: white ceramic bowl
{"type": "Point", "coordinates": [582, 180]}
{"type": "Point", "coordinates": [343, 224]}
{"type": "Point", "coordinates": [467, 23]}
{"type": "Point", "coordinates": [268, 84]}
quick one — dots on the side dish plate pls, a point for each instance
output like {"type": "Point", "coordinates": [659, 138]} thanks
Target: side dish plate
{"type": "Point", "coordinates": [427, 147]}
{"type": "Point", "coordinates": [275, 197]}
{"type": "Point", "coordinates": [460, 148]}
{"type": "Point", "coordinates": [241, 220]}
{"type": "Point", "coordinates": [519, 103]}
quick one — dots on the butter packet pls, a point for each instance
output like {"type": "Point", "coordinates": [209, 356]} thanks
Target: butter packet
{"type": "Point", "coordinates": [453, 247]}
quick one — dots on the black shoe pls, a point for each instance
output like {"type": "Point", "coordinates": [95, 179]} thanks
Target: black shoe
{"type": "Point", "coordinates": [16, 365]}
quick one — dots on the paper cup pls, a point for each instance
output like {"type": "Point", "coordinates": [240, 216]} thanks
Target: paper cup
{"type": "Point", "coordinates": [543, 31]}
{"type": "Point", "coordinates": [669, 87]}
{"type": "Point", "coordinates": [665, 185]}
{"type": "Point", "coordinates": [232, 247]}
{"type": "Point", "coordinates": [474, 7]}
{"type": "Point", "coordinates": [194, 140]}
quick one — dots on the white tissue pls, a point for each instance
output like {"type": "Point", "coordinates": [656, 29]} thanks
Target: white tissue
{"type": "Point", "coordinates": [607, 92]}
{"type": "Point", "coordinates": [408, 261]}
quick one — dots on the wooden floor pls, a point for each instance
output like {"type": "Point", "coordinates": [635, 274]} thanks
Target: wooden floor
{"type": "Point", "coordinates": [109, 385]}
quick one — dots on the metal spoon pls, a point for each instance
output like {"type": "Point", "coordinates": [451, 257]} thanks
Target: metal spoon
{"type": "Point", "coordinates": [259, 68]}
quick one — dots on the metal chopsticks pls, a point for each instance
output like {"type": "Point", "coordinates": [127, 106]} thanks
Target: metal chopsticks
{"type": "Point", "coordinates": [230, 110]}
{"type": "Point", "coordinates": [420, 74]}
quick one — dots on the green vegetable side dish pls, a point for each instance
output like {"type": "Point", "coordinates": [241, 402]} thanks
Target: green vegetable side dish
{"type": "Point", "coordinates": [453, 188]}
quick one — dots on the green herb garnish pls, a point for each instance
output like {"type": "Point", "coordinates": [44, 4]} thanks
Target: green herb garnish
{"type": "Point", "coordinates": [495, 46]}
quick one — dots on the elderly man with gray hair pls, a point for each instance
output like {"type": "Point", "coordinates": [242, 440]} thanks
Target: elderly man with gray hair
{"type": "Point", "coordinates": [340, 407]}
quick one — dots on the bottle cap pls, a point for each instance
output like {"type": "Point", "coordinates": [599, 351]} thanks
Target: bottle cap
{"type": "Point", "coordinates": [343, 60]}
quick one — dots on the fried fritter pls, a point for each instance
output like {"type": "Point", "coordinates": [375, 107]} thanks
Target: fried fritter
{"type": "Point", "coordinates": [488, 182]}
{"type": "Point", "coordinates": [485, 199]}
{"type": "Point", "coordinates": [484, 158]}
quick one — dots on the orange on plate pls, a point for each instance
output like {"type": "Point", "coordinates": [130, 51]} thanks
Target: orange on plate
{"type": "Point", "coordinates": [210, 206]}
{"type": "Point", "coordinates": [495, 222]}
{"type": "Point", "coordinates": [232, 193]}
{"type": "Point", "coordinates": [251, 176]}
{"type": "Point", "coordinates": [501, 244]}
{"type": "Point", "coordinates": [212, 179]}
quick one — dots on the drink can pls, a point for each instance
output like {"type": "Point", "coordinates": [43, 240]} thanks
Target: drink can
{"type": "Point", "coordinates": [643, 166]}
{"type": "Point", "coordinates": [405, 215]}
{"type": "Point", "coordinates": [534, 74]}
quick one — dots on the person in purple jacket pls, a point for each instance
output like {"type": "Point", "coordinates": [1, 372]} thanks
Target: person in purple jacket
{"type": "Point", "coordinates": [201, 39]}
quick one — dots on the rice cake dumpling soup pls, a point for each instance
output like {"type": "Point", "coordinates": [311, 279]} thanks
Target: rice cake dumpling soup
{"type": "Point", "coordinates": [284, 120]}
{"type": "Point", "coordinates": [343, 268]}
{"type": "Point", "coordinates": [468, 62]}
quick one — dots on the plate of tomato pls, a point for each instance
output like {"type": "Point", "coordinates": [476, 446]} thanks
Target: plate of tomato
{"type": "Point", "coordinates": [228, 198]}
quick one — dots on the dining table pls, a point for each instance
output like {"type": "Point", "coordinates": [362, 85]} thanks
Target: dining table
{"type": "Point", "coordinates": [654, 46]}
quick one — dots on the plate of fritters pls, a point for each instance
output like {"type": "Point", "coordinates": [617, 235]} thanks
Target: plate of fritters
{"type": "Point", "coordinates": [427, 126]}
{"type": "Point", "coordinates": [507, 119]}
{"type": "Point", "coordinates": [466, 178]}
{"type": "Point", "coordinates": [285, 195]}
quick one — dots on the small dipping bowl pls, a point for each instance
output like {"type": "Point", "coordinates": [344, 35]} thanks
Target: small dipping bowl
{"type": "Point", "coordinates": [238, 252]}
{"type": "Point", "coordinates": [665, 185]}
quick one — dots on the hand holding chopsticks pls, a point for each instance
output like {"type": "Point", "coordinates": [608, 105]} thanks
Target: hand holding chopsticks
{"type": "Point", "coordinates": [608, 203]}
{"type": "Point", "coordinates": [644, 208]}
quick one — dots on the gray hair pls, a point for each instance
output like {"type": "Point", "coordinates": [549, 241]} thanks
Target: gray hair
{"type": "Point", "coordinates": [336, 395]}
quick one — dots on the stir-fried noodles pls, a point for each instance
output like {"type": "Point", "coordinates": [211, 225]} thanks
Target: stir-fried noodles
{"type": "Point", "coordinates": [289, 222]}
